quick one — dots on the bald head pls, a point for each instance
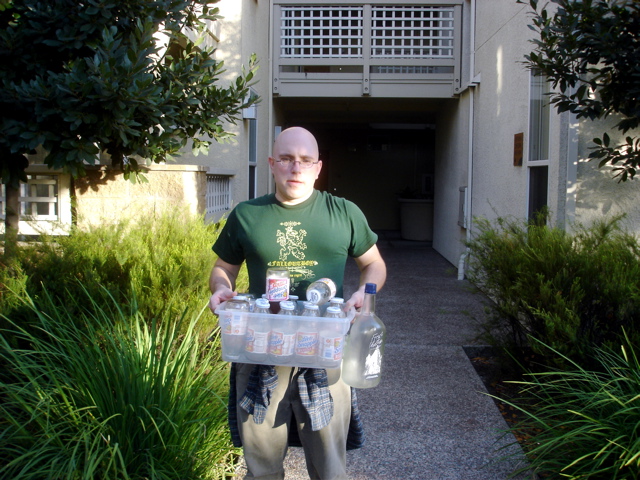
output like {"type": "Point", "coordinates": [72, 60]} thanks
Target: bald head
{"type": "Point", "coordinates": [295, 136]}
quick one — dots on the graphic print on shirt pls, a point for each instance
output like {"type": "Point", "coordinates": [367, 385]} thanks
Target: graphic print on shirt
{"type": "Point", "coordinates": [292, 253]}
{"type": "Point", "coordinates": [291, 241]}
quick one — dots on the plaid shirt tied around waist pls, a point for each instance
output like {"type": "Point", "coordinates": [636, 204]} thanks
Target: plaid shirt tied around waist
{"type": "Point", "coordinates": [313, 387]}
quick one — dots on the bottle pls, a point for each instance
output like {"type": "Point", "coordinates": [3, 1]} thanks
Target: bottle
{"type": "Point", "coordinates": [251, 299]}
{"type": "Point", "coordinates": [262, 306]}
{"type": "Point", "coordinates": [331, 339]}
{"type": "Point", "coordinates": [283, 335]}
{"type": "Point", "coordinates": [294, 299]}
{"type": "Point", "coordinates": [307, 336]}
{"type": "Point", "coordinates": [258, 332]}
{"type": "Point", "coordinates": [339, 303]}
{"type": "Point", "coordinates": [364, 345]}
{"type": "Point", "coordinates": [278, 283]}
{"type": "Point", "coordinates": [321, 291]}
{"type": "Point", "coordinates": [233, 324]}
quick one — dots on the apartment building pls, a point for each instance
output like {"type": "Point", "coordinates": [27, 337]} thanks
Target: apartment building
{"type": "Point", "coordinates": [427, 97]}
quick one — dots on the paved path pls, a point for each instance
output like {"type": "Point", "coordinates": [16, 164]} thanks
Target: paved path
{"type": "Point", "coordinates": [429, 419]}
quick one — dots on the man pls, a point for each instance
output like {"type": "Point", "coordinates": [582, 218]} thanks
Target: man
{"type": "Point", "coordinates": [312, 233]}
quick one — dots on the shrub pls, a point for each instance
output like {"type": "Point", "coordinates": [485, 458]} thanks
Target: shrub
{"type": "Point", "coordinates": [165, 259]}
{"type": "Point", "coordinates": [570, 291]}
{"type": "Point", "coordinates": [110, 394]}
{"type": "Point", "coordinates": [584, 424]}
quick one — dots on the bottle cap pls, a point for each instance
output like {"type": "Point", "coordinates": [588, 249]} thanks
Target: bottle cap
{"type": "Point", "coordinates": [262, 303]}
{"type": "Point", "coordinates": [370, 288]}
{"type": "Point", "coordinates": [287, 305]}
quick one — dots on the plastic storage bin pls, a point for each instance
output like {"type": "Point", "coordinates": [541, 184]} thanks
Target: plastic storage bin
{"type": "Point", "coordinates": [270, 339]}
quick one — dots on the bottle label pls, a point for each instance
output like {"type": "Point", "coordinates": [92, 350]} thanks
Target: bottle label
{"type": "Point", "coordinates": [277, 289]}
{"type": "Point", "coordinates": [329, 283]}
{"type": "Point", "coordinates": [281, 344]}
{"type": "Point", "coordinates": [306, 344]}
{"type": "Point", "coordinates": [376, 341]}
{"type": "Point", "coordinates": [257, 342]}
{"type": "Point", "coordinates": [373, 364]}
{"type": "Point", "coordinates": [331, 348]}
{"type": "Point", "coordinates": [233, 323]}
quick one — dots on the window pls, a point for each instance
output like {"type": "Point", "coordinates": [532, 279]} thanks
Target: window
{"type": "Point", "coordinates": [538, 189]}
{"type": "Point", "coordinates": [538, 161]}
{"type": "Point", "coordinates": [38, 198]}
{"type": "Point", "coordinates": [253, 156]}
{"type": "Point", "coordinates": [539, 112]}
{"type": "Point", "coordinates": [218, 194]}
{"type": "Point", "coordinates": [253, 151]}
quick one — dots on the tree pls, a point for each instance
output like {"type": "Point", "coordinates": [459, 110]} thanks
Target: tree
{"type": "Point", "coordinates": [132, 79]}
{"type": "Point", "coordinates": [589, 51]}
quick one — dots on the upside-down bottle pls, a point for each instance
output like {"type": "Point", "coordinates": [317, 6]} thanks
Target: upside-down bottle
{"type": "Point", "coordinates": [364, 345]}
{"type": "Point", "coordinates": [321, 291]}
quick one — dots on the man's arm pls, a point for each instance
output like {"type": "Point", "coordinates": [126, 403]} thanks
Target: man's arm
{"type": "Point", "coordinates": [222, 283]}
{"type": "Point", "coordinates": [372, 270]}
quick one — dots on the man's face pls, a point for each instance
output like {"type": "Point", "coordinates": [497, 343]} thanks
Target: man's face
{"type": "Point", "coordinates": [294, 182]}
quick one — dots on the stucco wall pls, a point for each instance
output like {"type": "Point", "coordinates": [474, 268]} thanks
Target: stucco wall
{"type": "Point", "coordinates": [598, 195]}
{"type": "Point", "coordinates": [577, 190]}
{"type": "Point", "coordinates": [104, 194]}
{"type": "Point", "coordinates": [243, 30]}
{"type": "Point", "coordinates": [501, 111]}
{"type": "Point", "coordinates": [451, 174]}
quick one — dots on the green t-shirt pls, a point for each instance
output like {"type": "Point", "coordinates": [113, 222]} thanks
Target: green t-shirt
{"type": "Point", "coordinates": [312, 239]}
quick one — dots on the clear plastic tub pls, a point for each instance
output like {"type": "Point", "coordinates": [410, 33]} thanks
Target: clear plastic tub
{"type": "Point", "coordinates": [270, 339]}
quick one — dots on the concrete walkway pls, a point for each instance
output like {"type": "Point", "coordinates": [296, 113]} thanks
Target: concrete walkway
{"type": "Point", "coordinates": [430, 417]}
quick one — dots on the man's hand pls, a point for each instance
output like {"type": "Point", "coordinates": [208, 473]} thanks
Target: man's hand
{"type": "Point", "coordinates": [356, 300]}
{"type": "Point", "coordinates": [372, 270]}
{"type": "Point", "coordinates": [222, 283]}
{"type": "Point", "coordinates": [221, 295]}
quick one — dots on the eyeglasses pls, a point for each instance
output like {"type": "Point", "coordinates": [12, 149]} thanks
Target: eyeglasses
{"type": "Point", "coordinates": [304, 162]}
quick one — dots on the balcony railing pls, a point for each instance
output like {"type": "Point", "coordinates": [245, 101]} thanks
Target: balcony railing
{"type": "Point", "coordinates": [373, 49]}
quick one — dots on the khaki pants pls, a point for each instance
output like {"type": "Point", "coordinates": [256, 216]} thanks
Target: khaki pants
{"type": "Point", "coordinates": [265, 445]}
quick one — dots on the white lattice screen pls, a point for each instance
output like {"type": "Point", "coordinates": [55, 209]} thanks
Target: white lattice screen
{"type": "Point", "coordinates": [321, 31]}
{"type": "Point", "coordinates": [412, 31]}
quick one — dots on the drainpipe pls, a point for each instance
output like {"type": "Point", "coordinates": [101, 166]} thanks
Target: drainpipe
{"type": "Point", "coordinates": [473, 83]}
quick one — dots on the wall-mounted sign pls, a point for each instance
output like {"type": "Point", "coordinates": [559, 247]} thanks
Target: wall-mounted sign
{"type": "Point", "coordinates": [518, 148]}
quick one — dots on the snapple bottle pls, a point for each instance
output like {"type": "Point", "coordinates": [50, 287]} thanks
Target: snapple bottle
{"type": "Point", "coordinates": [283, 335]}
{"type": "Point", "coordinates": [307, 336]}
{"type": "Point", "coordinates": [278, 284]}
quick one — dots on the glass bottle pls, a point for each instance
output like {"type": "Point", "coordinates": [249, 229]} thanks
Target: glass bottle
{"type": "Point", "coordinates": [258, 332]}
{"type": "Point", "coordinates": [321, 291]}
{"type": "Point", "coordinates": [307, 336]}
{"type": "Point", "coordinates": [331, 339]}
{"type": "Point", "coordinates": [283, 335]}
{"type": "Point", "coordinates": [234, 326]}
{"type": "Point", "coordinates": [338, 302]}
{"type": "Point", "coordinates": [294, 299]}
{"type": "Point", "coordinates": [278, 284]}
{"type": "Point", "coordinates": [364, 345]}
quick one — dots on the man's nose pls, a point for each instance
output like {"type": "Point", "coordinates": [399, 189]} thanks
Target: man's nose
{"type": "Point", "coordinates": [296, 165]}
